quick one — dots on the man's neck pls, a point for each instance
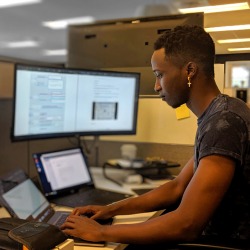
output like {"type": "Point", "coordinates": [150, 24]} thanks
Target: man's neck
{"type": "Point", "coordinates": [201, 97]}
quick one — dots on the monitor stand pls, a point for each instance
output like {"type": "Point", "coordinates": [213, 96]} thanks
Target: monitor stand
{"type": "Point", "coordinates": [95, 146]}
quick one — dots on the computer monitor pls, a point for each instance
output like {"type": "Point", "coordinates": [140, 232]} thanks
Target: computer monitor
{"type": "Point", "coordinates": [59, 102]}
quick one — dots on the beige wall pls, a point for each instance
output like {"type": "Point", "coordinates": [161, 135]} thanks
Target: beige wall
{"type": "Point", "coordinates": [157, 123]}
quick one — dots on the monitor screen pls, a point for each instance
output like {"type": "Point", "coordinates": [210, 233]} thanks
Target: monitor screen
{"type": "Point", "coordinates": [59, 102]}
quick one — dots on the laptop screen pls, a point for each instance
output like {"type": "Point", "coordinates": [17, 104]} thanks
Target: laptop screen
{"type": "Point", "coordinates": [62, 171]}
{"type": "Point", "coordinates": [35, 203]}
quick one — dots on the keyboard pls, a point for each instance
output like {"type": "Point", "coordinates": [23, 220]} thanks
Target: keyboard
{"type": "Point", "coordinates": [61, 220]}
{"type": "Point", "coordinates": [89, 197]}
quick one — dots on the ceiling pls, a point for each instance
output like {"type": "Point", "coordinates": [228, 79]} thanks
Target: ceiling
{"type": "Point", "coordinates": [25, 22]}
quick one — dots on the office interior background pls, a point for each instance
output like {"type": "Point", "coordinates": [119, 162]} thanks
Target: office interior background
{"type": "Point", "coordinates": [27, 35]}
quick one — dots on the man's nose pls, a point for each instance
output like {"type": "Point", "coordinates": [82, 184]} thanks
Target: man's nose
{"type": "Point", "coordinates": [157, 86]}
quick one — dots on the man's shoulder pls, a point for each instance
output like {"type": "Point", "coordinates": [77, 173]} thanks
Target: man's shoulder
{"type": "Point", "coordinates": [227, 106]}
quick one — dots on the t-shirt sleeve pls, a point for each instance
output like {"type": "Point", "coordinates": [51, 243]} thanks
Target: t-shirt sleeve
{"type": "Point", "coordinates": [223, 134]}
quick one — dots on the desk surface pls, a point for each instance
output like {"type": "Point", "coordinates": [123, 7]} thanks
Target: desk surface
{"type": "Point", "coordinates": [121, 219]}
{"type": "Point", "coordinates": [101, 182]}
{"type": "Point", "coordinates": [120, 175]}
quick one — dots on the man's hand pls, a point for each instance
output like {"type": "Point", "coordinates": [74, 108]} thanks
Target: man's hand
{"type": "Point", "coordinates": [83, 227]}
{"type": "Point", "coordinates": [94, 212]}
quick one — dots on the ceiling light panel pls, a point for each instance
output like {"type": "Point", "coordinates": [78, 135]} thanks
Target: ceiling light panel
{"type": "Point", "coordinates": [59, 52]}
{"type": "Point", "coordinates": [12, 3]}
{"type": "Point", "coordinates": [22, 44]}
{"type": "Point", "coordinates": [216, 8]}
{"type": "Point", "coordinates": [238, 49]}
{"type": "Point", "coordinates": [63, 23]}
{"type": "Point", "coordinates": [237, 40]}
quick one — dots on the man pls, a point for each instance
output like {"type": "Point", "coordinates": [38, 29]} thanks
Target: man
{"type": "Point", "coordinates": [212, 190]}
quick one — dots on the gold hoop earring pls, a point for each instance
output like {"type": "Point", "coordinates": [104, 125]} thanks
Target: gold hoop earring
{"type": "Point", "coordinates": [189, 83]}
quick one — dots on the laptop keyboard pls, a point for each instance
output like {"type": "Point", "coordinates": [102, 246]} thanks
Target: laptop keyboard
{"type": "Point", "coordinates": [89, 197]}
{"type": "Point", "coordinates": [61, 220]}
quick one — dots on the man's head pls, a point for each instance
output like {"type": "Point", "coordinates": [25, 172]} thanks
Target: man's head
{"type": "Point", "coordinates": [189, 43]}
{"type": "Point", "coordinates": [182, 57]}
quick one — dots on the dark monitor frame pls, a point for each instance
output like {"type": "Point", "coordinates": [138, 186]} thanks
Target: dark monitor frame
{"type": "Point", "coordinates": [35, 136]}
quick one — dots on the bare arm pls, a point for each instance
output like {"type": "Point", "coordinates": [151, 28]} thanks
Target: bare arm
{"type": "Point", "coordinates": [200, 199]}
{"type": "Point", "coordinates": [159, 198]}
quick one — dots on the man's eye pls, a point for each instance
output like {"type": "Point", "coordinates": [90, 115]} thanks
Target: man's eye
{"type": "Point", "coordinates": [158, 75]}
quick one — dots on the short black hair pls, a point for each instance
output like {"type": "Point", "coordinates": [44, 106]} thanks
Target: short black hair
{"type": "Point", "coordinates": [189, 43]}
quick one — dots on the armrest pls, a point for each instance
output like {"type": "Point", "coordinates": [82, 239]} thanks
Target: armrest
{"type": "Point", "coordinates": [204, 243]}
{"type": "Point", "coordinates": [215, 243]}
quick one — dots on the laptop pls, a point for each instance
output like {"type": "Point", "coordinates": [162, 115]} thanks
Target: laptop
{"type": "Point", "coordinates": [25, 201]}
{"type": "Point", "coordinates": [66, 179]}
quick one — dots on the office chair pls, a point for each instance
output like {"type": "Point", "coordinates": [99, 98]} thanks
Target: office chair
{"type": "Point", "coordinates": [204, 243]}
{"type": "Point", "coordinates": [210, 242]}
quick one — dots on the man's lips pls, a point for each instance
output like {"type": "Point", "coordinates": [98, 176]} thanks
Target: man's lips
{"type": "Point", "coordinates": [162, 97]}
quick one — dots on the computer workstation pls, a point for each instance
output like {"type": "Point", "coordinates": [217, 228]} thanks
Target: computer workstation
{"type": "Point", "coordinates": [43, 111]}
{"type": "Point", "coordinates": [38, 208]}
{"type": "Point", "coordinates": [137, 218]}
{"type": "Point", "coordinates": [56, 102]}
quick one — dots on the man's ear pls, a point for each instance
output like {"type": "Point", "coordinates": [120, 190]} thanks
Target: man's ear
{"type": "Point", "coordinates": [191, 69]}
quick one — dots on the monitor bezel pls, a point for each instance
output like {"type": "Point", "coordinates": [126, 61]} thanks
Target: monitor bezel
{"type": "Point", "coordinates": [77, 134]}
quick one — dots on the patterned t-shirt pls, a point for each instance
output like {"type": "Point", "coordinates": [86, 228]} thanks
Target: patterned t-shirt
{"type": "Point", "coordinates": [224, 129]}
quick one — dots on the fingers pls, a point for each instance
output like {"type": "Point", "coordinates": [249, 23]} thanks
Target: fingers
{"type": "Point", "coordinates": [83, 210]}
{"type": "Point", "coordinates": [77, 211]}
{"type": "Point", "coordinates": [83, 228]}
{"type": "Point", "coordinates": [67, 231]}
{"type": "Point", "coordinates": [92, 211]}
{"type": "Point", "coordinates": [69, 222]}
{"type": "Point", "coordinates": [67, 225]}
{"type": "Point", "coordinates": [95, 216]}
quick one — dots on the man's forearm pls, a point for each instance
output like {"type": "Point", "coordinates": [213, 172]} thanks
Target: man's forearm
{"type": "Point", "coordinates": [157, 199]}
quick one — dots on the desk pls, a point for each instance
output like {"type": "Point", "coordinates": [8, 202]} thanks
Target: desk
{"type": "Point", "coordinates": [152, 170]}
{"type": "Point", "coordinates": [119, 185]}
{"type": "Point", "coordinates": [104, 183]}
